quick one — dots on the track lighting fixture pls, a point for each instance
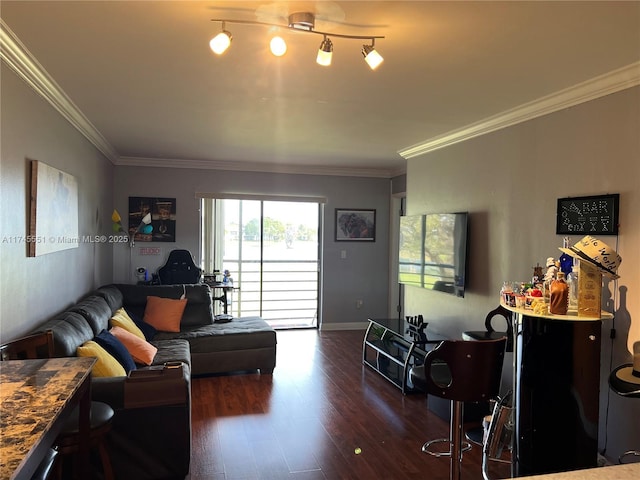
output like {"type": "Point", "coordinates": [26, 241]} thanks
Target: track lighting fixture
{"type": "Point", "coordinates": [300, 22]}
{"type": "Point", "coordinates": [221, 42]}
{"type": "Point", "coordinates": [325, 52]}
{"type": "Point", "coordinates": [371, 56]}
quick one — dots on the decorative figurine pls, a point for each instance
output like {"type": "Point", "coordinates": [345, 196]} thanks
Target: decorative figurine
{"type": "Point", "coordinates": [552, 269]}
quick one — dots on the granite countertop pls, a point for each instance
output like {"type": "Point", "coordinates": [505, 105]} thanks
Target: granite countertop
{"type": "Point", "coordinates": [33, 393]}
{"type": "Point", "coordinates": [630, 471]}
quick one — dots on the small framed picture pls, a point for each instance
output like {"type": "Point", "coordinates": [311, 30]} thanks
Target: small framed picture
{"type": "Point", "coordinates": [355, 225]}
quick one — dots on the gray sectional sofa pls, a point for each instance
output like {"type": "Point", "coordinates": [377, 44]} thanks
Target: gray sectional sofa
{"type": "Point", "coordinates": [246, 343]}
{"type": "Point", "coordinates": [151, 434]}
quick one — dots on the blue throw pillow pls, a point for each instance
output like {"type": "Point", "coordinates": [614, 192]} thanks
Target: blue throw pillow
{"type": "Point", "coordinates": [116, 349]}
{"type": "Point", "coordinates": [149, 331]}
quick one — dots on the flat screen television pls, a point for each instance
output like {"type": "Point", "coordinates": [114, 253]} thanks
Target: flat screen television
{"type": "Point", "coordinates": [433, 252]}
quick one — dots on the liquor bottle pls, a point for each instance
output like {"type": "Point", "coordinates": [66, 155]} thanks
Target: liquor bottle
{"type": "Point", "coordinates": [566, 261]}
{"type": "Point", "coordinates": [559, 295]}
{"type": "Point", "coordinates": [572, 283]}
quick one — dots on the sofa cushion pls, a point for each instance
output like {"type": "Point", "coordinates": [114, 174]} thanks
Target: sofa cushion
{"type": "Point", "coordinates": [116, 349]}
{"type": "Point", "coordinates": [106, 365]}
{"type": "Point", "coordinates": [112, 295]}
{"type": "Point", "coordinates": [70, 329]}
{"type": "Point", "coordinates": [95, 310]}
{"type": "Point", "coordinates": [242, 333]}
{"type": "Point", "coordinates": [199, 309]}
{"type": "Point", "coordinates": [141, 350]}
{"type": "Point", "coordinates": [175, 350]}
{"type": "Point", "coordinates": [164, 314]}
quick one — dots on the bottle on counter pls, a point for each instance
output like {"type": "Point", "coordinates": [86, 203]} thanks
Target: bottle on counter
{"type": "Point", "coordinates": [559, 295]}
{"type": "Point", "coordinates": [566, 260]}
{"type": "Point", "coordinates": [507, 294]}
{"type": "Point", "coordinates": [549, 277]}
{"type": "Point", "coordinates": [572, 283]}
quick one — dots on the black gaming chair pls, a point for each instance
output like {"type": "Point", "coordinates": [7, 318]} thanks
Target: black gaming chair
{"type": "Point", "coordinates": [179, 268]}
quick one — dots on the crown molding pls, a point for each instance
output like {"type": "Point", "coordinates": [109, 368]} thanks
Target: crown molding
{"type": "Point", "coordinates": [600, 86]}
{"type": "Point", "coordinates": [253, 167]}
{"type": "Point", "coordinates": [24, 64]}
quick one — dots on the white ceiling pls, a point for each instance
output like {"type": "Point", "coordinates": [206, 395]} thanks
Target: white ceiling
{"type": "Point", "coordinates": [143, 75]}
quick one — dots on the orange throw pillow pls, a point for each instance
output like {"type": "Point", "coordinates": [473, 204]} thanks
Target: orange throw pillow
{"type": "Point", "coordinates": [164, 314]}
{"type": "Point", "coordinates": [141, 350]}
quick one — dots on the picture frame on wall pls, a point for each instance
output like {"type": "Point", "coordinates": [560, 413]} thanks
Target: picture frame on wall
{"type": "Point", "coordinates": [162, 227]}
{"type": "Point", "coordinates": [355, 225]}
{"type": "Point", "coordinates": [53, 219]}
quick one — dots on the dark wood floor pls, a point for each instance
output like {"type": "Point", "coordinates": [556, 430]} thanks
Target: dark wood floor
{"type": "Point", "coordinates": [322, 415]}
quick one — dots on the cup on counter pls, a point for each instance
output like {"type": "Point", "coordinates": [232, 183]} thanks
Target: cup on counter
{"type": "Point", "coordinates": [510, 299]}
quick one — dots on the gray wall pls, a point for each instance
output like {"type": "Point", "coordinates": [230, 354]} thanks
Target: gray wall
{"type": "Point", "coordinates": [509, 181]}
{"type": "Point", "coordinates": [33, 289]}
{"type": "Point", "coordinates": [363, 274]}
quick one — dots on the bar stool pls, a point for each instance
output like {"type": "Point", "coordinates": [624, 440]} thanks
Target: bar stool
{"type": "Point", "coordinates": [490, 333]}
{"type": "Point", "coordinates": [68, 442]}
{"type": "Point", "coordinates": [476, 435]}
{"type": "Point", "coordinates": [625, 381]}
{"type": "Point", "coordinates": [460, 371]}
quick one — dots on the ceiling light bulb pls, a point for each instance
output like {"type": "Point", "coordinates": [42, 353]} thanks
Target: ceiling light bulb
{"type": "Point", "coordinates": [220, 42]}
{"type": "Point", "coordinates": [371, 56]}
{"type": "Point", "coordinates": [278, 46]}
{"type": "Point", "coordinates": [325, 52]}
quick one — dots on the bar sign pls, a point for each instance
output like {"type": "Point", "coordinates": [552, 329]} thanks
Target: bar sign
{"type": "Point", "coordinates": [596, 215]}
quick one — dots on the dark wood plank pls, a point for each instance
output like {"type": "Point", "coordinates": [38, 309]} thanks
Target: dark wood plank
{"type": "Point", "coordinates": [321, 416]}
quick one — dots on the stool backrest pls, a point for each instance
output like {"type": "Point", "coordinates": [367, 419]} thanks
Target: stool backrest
{"type": "Point", "coordinates": [38, 345]}
{"type": "Point", "coordinates": [465, 370]}
{"type": "Point", "coordinates": [506, 315]}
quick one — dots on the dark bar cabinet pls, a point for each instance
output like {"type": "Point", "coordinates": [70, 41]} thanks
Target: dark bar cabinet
{"type": "Point", "coordinates": [557, 383]}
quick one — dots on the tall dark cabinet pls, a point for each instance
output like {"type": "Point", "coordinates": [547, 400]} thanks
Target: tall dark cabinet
{"type": "Point", "coordinates": [557, 383]}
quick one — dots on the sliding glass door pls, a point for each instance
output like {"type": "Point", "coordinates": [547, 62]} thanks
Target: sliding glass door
{"type": "Point", "coordinates": [271, 251]}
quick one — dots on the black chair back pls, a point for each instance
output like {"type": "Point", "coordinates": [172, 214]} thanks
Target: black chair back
{"type": "Point", "coordinates": [179, 268]}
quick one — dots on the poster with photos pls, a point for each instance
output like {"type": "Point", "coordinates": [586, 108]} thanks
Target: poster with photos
{"type": "Point", "coordinates": [152, 219]}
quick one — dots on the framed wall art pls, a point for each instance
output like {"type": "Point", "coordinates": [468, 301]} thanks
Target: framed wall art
{"type": "Point", "coordinates": [355, 225]}
{"type": "Point", "coordinates": [53, 219]}
{"type": "Point", "coordinates": [152, 219]}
